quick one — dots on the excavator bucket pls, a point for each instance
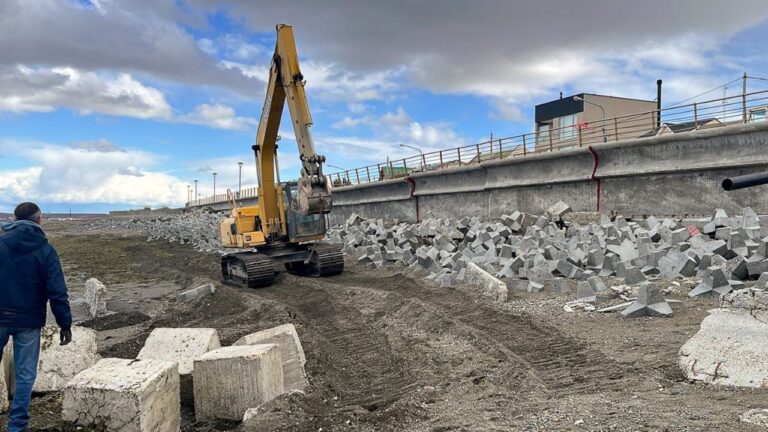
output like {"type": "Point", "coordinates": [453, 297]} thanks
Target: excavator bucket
{"type": "Point", "coordinates": [314, 198]}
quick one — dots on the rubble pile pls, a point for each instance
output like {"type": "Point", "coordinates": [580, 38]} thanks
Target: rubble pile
{"type": "Point", "coordinates": [531, 252]}
{"type": "Point", "coordinates": [197, 228]}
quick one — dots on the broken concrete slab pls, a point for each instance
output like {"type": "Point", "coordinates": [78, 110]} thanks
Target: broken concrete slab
{"type": "Point", "coordinates": [230, 380]}
{"type": "Point", "coordinates": [60, 363]}
{"type": "Point", "coordinates": [291, 353]}
{"type": "Point", "coordinates": [490, 285]}
{"type": "Point", "coordinates": [125, 395]}
{"type": "Point", "coordinates": [180, 345]}
{"type": "Point", "coordinates": [196, 293]}
{"type": "Point", "coordinates": [730, 349]}
{"type": "Point", "coordinates": [95, 297]}
{"type": "Point", "coordinates": [650, 302]}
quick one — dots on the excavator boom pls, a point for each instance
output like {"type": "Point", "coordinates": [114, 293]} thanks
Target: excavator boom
{"type": "Point", "coordinates": [286, 83]}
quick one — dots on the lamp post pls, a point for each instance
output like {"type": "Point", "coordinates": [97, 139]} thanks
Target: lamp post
{"type": "Point", "coordinates": [581, 99]}
{"type": "Point", "coordinates": [423, 161]}
{"type": "Point", "coordinates": [214, 185]}
{"type": "Point", "coordinates": [196, 190]}
{"type": "Point", "coordinates": [240, 179]}
{"type": "Point", "coordinates": [189, 193]}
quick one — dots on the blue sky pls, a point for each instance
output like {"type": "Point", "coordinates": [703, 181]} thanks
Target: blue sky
{"type": "Point", "coordinates": [110, 104]}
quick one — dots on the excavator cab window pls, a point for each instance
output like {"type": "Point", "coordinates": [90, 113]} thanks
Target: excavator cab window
{"type": "Point", "coordinates": [300, 225]}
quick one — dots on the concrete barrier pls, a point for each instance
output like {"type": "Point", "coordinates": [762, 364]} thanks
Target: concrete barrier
{"type": "Point", "coordinates": [674, 175]}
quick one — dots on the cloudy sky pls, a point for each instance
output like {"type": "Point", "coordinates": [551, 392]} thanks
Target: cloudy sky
{"type": "Point", "coordinates": [111, 104]}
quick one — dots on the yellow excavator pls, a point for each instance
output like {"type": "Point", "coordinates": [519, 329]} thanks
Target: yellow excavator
{"type": "Point", "coordinates": [284, 230]}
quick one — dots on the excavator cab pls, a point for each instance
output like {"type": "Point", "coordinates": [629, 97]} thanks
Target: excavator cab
{"type": "Point", "coordinates": [301, 227]}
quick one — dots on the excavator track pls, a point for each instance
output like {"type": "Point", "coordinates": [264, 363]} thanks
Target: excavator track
{"type": "Point", "coordinates": [247, 269]}
{"type": "Point", "coordinates": [327, 259]}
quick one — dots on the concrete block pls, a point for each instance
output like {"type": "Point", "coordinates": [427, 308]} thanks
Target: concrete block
{"type": "Point", "coordinates": [558, 209]}
{"type": "Point", "coordinates": [230, 380]}
{"type": "Point", "coordinates": [58, 364]}
{"type": "Point", "coordinates": [291, 352]}
{"type": "Point", "coordinates": [180, 345]}
{"type": "Point", "coordinates": [354, 220]}
{"type": "Point", "coordinates": [650, 302]}
{"type": "Point", "coordinates": [634, 275]}
{"type": "Point", "coordinates": [489, 285]}
{"type": "Point", "coordinates": [585, 293]}
{"type": "Point", "coordinates": [756, 265]}
{"type": "Point", "coordinates": [125, 396]}
{"type": "Point", "coordinates": [762, 282]}
{"type": "Point", "coordinates": [730, 348]}
{"type": "Point", "coordinates": [95, 297]}
{"type": "Point", "coordinates": [196, 293]}
{"type": "Point", "coordinates": [597, 284]}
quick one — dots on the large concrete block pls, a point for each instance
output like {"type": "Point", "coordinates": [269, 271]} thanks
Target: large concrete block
{"type": "Point", "coordinates": [230, 380]}
{"type": "Point", "coordinates": [95, 297]}
{"type": "Point", "coordinates": [490, 285]}
{"type": "Point", "coordinates": [122, 395]}
{"type": "Point", "coordinates": [731, 348]}
{"type": "Point", "coordinates": [58, 364]}
{"type": "Point", "coordinates": [291, 352]}
{"type": "Point", "coordinates": [180, 345]}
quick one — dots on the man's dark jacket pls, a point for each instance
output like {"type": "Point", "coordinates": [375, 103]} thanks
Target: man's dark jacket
{"type": "Point", "coordinates": [30, 276]}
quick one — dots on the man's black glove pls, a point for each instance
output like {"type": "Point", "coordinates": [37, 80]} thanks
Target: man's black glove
{"type": "Point", "coordinates": [66, 336]}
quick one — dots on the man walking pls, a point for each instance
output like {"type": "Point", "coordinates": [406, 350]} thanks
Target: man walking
{"type": "Point", "coordinates": [30, 276]}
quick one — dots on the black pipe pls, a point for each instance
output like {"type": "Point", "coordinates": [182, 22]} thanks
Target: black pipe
{"type": "Point", "coordinates": [745, 181]}
{"type": "Point", "coordinates": [658, 103]}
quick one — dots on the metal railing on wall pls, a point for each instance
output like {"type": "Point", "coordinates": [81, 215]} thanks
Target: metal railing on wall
{"type": "Point", "coordinates": [696, 116]}
{"type": "Point", "coordinates": [738, 109]}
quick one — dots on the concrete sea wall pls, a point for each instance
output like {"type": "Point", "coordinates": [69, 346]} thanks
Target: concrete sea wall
{"type": "Point", "coordinates": [668, 175]}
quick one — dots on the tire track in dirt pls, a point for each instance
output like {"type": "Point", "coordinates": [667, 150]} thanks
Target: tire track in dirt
{"type": "Point", "coordinates": [362, 364]}
{"type": "Point", "coordinates": [564, 365]}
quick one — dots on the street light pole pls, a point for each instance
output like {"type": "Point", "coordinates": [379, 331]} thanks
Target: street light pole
{"type": "Point", "coordinates": [189, 193]}
{"type": "Point", "coordinates": [423, 161]}
{"type": "Point", "coordinates": [240, 179]}
{"type": "Point", "coordinates": [581, 99]}
{"type": "Point", "coordinates": [196, 190]}
{"type": "Point", "coordinates": [214, 186]}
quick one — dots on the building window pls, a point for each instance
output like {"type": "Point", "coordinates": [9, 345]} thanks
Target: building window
{"type": "Point", "coordinates": [568, 127]}
{"type": "Point", "coordinates": [543, 138]}
{"type": "Point", "coordinates": [758, 115]}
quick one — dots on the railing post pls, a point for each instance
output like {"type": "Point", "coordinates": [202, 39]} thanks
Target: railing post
{"type": "Point", "coordinates": [501, 150]}
{"type": "Point", "coordinates": [441, 158]}
{"type": "Point", "coordinates": [458, 153]}
{"type": "Point", "coordinates": [423, 162]}
{"type": "Point", "coordinates": [368, 173]}
{"type": "Point", "coordinates": [391, 170]}
{"type": "Point", "coordinates": [524, 146]}
{"type": "Point", "coordinates": [357, 175]}
{"type": "Point", "coordinates": [744, 99]}
{"type": "Point", "coordinates": [478, 152]}
{"type": "Point", "coordinates": [378, 170]}
{"type": "Point", "coordinates": [616, 128]}
{"type": "Point", "coordinates": [695, 116]}
{"type": "Point", "coordinates": [346, 174]}
{"type": "Point", "coordinates": [405, 168]}
{"type": "Point", "coordinates": [578, 130]}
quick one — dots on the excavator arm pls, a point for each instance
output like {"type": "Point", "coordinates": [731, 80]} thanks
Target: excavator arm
{"type": "Point", "coordinates": [286, 83]}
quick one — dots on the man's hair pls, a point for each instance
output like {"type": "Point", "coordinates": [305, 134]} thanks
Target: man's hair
{"type": "Point", "coordinates": [26, 211]}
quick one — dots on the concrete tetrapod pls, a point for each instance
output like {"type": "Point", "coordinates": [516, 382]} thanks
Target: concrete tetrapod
{"type": "Point", "coordinates": [123, 395]}
{"type": "Point", "coordinates": [650, 302]}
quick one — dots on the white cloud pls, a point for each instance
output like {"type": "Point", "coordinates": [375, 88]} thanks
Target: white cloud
{"type": "Point", "coordinates": [25, 89]}
{"type": "Point", "coordinates": [389, 131]}
{"type": "Point", "coordinates": [61, 174]}
{"type": "Point", "coordinates": [220, 117]}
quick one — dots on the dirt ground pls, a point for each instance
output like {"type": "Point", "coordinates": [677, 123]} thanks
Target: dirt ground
{"type": "Point", "coordinates": [388, 351]}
